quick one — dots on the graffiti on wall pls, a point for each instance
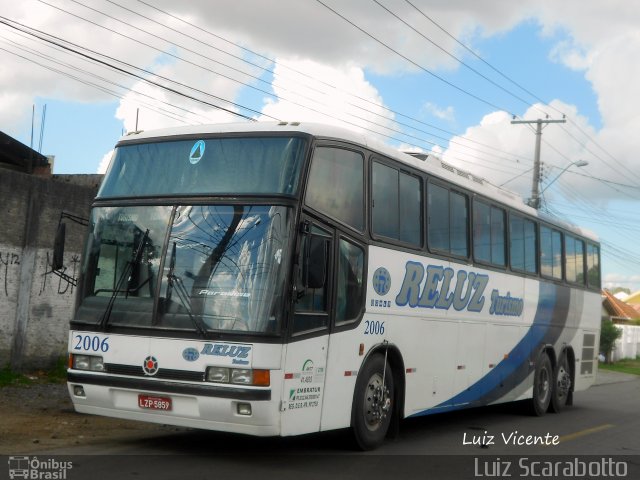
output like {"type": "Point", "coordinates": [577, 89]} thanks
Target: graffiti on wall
{"type": "Point", "coordinates": [64, 284]}
{"type": "Point", "coordinates": [8, 259]}
{"type": "Point", "coordinates": [10, 273]}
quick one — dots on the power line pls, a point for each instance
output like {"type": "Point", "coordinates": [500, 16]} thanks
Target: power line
{"type": "Point", "coordinates": [597, 156]}
{"type": "Point", "coordinates": [265, 69]}
{"type": "Point", "coordinates": [155, 108]}
{"type": "Point", "coordinates": [275, 76]}
{"type": "Point", "coordinates": [76, 50]}
{"type": "Point", "coordinates": [460, 61]}
{"type": "Point", "coordinates": [276, 96]}
{"type": "Point", "coordinates": [415, 64]}
{"type": "Point", "coordinates": [498, 71]}
{"type": "Point", "coordinates": [322, 82]}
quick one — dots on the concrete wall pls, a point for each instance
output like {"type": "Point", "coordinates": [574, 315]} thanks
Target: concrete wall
{"type": "Point", "coordinates": [35, 304]}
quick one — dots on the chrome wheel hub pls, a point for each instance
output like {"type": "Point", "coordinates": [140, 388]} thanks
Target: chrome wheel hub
{"type": "Point", "coordinates": [377, 402]}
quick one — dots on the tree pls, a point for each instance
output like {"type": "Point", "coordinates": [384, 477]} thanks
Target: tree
{"type": "Point", "coordinates": [608, 336]}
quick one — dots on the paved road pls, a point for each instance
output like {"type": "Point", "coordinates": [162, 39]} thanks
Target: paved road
{"type": "Point", "coordinates": [603, 423]}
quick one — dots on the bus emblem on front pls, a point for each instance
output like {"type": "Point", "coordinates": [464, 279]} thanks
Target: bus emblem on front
{"type": "Point", "coordinates": [150, 366]}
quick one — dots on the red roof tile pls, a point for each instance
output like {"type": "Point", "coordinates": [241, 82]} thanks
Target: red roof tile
{"type": "Point", "coordinates": [617, 308]}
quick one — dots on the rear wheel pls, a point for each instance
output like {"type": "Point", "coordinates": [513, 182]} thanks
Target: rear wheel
{"type": "Point", "coordinates": [372, 403]}
{"type": "Point", "coordinates": [542, 385]}
{"type": "Point", "coordinates": [561, 384]}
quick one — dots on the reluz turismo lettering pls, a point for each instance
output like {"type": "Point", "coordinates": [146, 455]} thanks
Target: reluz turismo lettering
{"type": "Point", "coordinates": [444, 288]}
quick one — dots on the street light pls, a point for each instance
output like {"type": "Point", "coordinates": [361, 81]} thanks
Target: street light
{"type": "Point", "coordinates": [535, 202]}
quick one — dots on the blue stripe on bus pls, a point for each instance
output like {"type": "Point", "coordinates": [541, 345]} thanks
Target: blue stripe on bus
{"type": "Point", "coordinates": [515, 368]}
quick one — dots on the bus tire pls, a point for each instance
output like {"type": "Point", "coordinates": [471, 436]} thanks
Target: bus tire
{"type": "Point", "coordinates": [542, 385]}
{"type": "Point", "coordinates": [372, 405]}
{"type": "Point", "coordinates": [562, 384]}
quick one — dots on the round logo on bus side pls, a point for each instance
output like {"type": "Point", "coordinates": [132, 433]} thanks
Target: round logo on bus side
{"type": "Point", "coordinates": [197, 152]}
{"type": "Point", "coordinates": [190, 354]}
{"type": "Point", "coordinates": [150, 365]}
{"type": "Point", "coordinates": [381, 281]}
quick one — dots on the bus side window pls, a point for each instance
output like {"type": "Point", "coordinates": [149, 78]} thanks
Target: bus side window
{"type": "Point", "coordinates": [523, 244]}
{"type": "Point", "coordinates": [350, 285]}
{"type": "Point", "coordinates": [550, 253]}
{"type": "Point", "coordinates": [336, 185]}
{"type": "Point", "coordinates": [593, 266]}
{"type": "Point", "coordinates": [448, 213]}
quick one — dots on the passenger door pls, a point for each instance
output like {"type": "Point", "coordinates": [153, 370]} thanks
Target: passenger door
{"type": "Point", "coordinates": [306, 353]}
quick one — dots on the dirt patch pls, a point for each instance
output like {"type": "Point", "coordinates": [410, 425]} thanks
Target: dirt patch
{"type": "Point", "coordinates": [40, 416]}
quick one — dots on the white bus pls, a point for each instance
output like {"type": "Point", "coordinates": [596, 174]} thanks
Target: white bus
{"type": "Point", "coordinates": [280, 279]}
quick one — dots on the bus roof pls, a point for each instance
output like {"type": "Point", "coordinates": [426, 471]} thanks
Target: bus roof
{"type": "Point", "coordinates": [425, 162]}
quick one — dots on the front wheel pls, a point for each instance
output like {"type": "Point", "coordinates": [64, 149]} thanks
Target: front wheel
{"type": "Point", "coordinates": [372, 403]}
{"type": "Point", "coordinates": [542, 385]}
{"type": "Point", "coordinates": [561, 384]}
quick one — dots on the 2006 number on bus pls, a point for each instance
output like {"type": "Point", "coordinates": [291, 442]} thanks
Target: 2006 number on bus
{"type": "Point", "coordinates": [373, 327]}
{"type": "Point", "coordinates": [91, 343]}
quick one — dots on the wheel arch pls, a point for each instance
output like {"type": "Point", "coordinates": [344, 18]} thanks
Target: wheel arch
{"type": "Point", "coordinates": [571, 358]}
{"type": "Point", "coordinates": [551, 353]}
{"type": "Point", "coordinates": [396, 362]}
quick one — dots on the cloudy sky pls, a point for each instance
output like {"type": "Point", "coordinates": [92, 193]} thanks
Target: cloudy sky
{"type": "Point", "coordinates": [430, 75]}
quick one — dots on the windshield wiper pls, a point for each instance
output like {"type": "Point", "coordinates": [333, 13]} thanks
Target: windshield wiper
{"type": "Point", "coordinates": [126, 274]}
{"type": "Point", "coordinates": [174, 281]}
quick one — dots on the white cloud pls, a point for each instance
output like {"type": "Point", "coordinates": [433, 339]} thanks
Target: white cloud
{"type": "Point", "coordinates": [447, 113]}
{"type": "Point", "coordinates": [503, 152]}
{"type": "Point", "coordinates": [570, 55]}
{"type": "Point", "coordinates": [612, 280]}
{"type": "Point", "coordinates": [105, 162]}
{"type": "Point", "coordinates": [339, 96]}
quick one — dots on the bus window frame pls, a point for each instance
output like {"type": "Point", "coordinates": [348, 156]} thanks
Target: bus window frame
{"type": "Point", "coordinates": [450, 187]}
{"type": "Point", "coordinates": [505, 234]}
{"type": "Point", "coordinates": [320, 143]}
{"type": "Point", "coordinates": [292, 334]}
{"type": "Point", "coordinates": [575, 238]}
{"type": "Point", "coordinates": [353, 323]}
{"type": "Point", "coordinates": [597, 246]}
{"type": "Point", "coordinates": [536, 225]}
{"type": "Point", "coordinates": [423, 204]}
{"type": "Point", "coordinates": [561, 231]}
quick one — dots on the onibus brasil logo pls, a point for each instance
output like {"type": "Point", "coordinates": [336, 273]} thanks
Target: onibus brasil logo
{"type": "Point", "coordinates": [37, 469]}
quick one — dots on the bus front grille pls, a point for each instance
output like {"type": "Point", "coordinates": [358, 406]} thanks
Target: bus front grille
{"type": "Point", "coordinates": [163, 373]}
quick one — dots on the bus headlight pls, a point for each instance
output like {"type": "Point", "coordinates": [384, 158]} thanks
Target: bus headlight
{"type": "Point", "coordinates": [96, 364]}
{"type": "Point", "coordinates": [87, 362]}
{"type": "Point", "coordinates": [218, 374]}
{"type": "Point", "coordinates": [238, 376]}
{"type": "Point", "coordinates": [242, 376]}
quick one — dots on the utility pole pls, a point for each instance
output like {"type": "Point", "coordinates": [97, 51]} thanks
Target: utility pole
{"type": "Point", "coordinates": [535, 186]}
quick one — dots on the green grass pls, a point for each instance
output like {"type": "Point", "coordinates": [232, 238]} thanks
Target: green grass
{"type": "Point", "coordinates": [628, 365]}
{"type": "Point", "coordinates": [57, 374]}
{"type": "Point", "coordinates": [9, 377]}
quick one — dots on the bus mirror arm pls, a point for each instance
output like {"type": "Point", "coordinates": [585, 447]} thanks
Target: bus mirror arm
{"type": "Point", "coordinates": [58, 245]}
{"type": "Point", "coordinates": [314, 272]}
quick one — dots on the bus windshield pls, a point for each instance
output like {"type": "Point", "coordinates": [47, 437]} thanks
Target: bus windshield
{"type": "Point", "coordinates": [236, 166]}
{"type": "Point", "coordinates": [186, 267]}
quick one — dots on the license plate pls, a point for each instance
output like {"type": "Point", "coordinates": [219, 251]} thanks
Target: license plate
{"type": "Point", "coordinates": [154, 403]}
